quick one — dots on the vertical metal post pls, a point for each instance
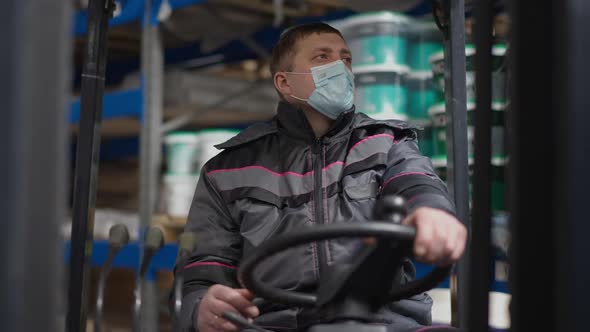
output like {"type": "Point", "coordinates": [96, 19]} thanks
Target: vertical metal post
{"type": "Point", "coordinates": [571, 215]}
{"type": "Point", "coordinates": [457, 160]}
{"type": "Point", "coordinates": [532, 192]}
{"type": "Point", "coordinates": [152, 67]}
{"type": "Point", "coordinates": [93, 77]}
{"type": "Point", "coordinates": [549, 199]}
{"type": "Point", "coordinates": [34, 76]}
{"type": "Point", "coordinates": [480, 264]}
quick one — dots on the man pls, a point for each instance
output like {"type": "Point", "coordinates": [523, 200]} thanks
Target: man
{"type": "Point", "coordinates": [316, 162]}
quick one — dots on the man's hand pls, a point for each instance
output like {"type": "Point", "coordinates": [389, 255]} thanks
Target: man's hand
{"type": "Point", "coordinates": [440, 237]}
{"type": "Point", "coordinates": [220, 299]}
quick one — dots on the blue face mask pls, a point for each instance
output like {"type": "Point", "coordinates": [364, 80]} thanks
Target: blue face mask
{"type": "Point", "coordinates": [334, 89]}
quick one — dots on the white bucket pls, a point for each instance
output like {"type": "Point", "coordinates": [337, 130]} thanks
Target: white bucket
{"type": "Point", "coordinates": [177, 195]}
{"type": "Point", "coordinates": [211, 137]}
{"type": "Point", "coordinates": [183, 153]}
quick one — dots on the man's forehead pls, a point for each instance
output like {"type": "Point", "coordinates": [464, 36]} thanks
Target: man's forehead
{"type": "Point", "coordinates": [322, 41]}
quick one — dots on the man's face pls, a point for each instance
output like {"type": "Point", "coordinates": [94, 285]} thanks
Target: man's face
{"type": "Point", "coordinates": [311, 51]}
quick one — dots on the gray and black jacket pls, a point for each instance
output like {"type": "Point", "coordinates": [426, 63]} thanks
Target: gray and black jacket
{"type": "Point", "coordinates": [275, 177]}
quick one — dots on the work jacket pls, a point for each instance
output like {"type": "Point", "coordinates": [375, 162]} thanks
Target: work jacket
{"type": "Point", "coordinates": [276, 177]}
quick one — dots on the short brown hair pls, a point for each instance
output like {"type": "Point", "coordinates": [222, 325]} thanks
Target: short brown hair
{"type": "Point", "coordinates": [286, 45]}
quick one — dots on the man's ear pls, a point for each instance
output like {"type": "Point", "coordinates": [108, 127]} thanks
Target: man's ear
{"type": "Point", "coordinates": [281, 84]}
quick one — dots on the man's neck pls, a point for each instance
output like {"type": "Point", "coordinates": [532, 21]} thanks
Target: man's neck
{"type": "Point", "coordinates": [320, 124]}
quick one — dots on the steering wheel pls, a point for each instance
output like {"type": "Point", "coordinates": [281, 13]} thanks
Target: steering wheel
{"type": "Point", "coordinates": [388, 231]}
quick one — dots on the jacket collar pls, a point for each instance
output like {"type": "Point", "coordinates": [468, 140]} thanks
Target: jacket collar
{"type": "Point", "coordinates": [292, 120]}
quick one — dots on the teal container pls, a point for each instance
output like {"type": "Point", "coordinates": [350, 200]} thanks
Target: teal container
{"type": "Point", "coordinates": [439, 119]}
{"type": "Point", "coordinates": [380, 38]}
{"type": "Point", "coordinates": [382, 94]}
{"type": "Point", "coordinates": [425, 41]}
{"type": "Point", "coordinates": [422, 95]}
{"type": "Point", "coordinates": [421, 52]}
{"type": "Point", "coordinates": [426, 141]}
{"type": "Point", "coordinates": [498, 72]}
{"type": "Point", "coordinates": [498, 181]}
{"type": "Point", "coordinates": [379, 50]}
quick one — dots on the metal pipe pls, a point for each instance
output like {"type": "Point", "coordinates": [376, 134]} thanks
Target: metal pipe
{"type": "Point", "coordinates": [152, 69]}
{"type": "Point", "coordinates": [154, 240]}
{"type": "Point", "coordinates": [35, 65]}
{"type": "Point", "coordinates": [93, 78]}
{"type": "Point", "coordinates": [184, 119]}
{"type": "Point", "coordinates": [457, 149]}
{"type": "Point", "coordinates": [480, 264]}
{"type": "Point", "coordinates": [118, 238]}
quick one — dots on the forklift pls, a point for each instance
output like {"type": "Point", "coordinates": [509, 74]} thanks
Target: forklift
{"type": "Point", "coordinates": [549, 159]}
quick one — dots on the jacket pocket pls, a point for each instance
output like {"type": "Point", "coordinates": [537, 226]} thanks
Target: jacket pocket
{"type": "Point", "coordinates": [362, 191]}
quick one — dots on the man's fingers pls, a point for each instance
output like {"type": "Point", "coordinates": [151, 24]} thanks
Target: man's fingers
{"type": "Point", "coordinates": [437, 245]}
{"type": "Point", "coordinates": [216, 310]}
{"type": "Point", "coordinates": [216, 323]}
{"type": "Point", "coordinates": [237, 300]}
{"type": "Point", "coordinates": [245, 293]}
{"type": "Point", "coordinates": [424, 237]}
{"type": "Point", "coordinates": [460, 245]}
{"type": "Point", "coordinates": [451, 242]}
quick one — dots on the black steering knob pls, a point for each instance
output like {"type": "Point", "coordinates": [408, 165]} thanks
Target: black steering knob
{"type": "Point", "coordinates": [392, 208]}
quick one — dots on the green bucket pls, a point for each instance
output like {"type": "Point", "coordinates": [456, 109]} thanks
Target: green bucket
{"type": "Point", "coordinates": [425, 141]}
{"type": "Point", "coordinates": [381, 93]}
{"type": "Point", "coordinates": [210, 138]}
{"type": "Point", "coordinates": [425, 41]}
{"type": "Point", "coordinates": [439, 123]}
{"type": "Point", "coordinates": [379, 38]}
{"type": "Point", "coordinates": [498, 181]}
{"type": "Point", "coordinates": [183, 152]}
{"type": "Point", "coordinates": [422, 96]}
{"type": "Point", "coordinates": [498, 72]}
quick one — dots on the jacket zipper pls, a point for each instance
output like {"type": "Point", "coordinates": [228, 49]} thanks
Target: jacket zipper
{"type": "Point", "coordinates": [318, 199]}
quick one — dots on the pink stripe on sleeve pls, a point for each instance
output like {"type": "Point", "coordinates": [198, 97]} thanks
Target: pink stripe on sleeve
{"type": "Point", "coordinates": [210, 264]}
{"type": "Point", "coordinates": [400, 175]}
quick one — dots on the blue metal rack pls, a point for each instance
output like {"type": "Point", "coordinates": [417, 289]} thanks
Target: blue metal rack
{"type": "Point", "coordinates": [164, 260]}
{"type": "Point", "coordinates": [128, 257]}
{"type": "Point", "coordinates": [115, 104]}
{"type": "Point", "coordinates": [130, 11]}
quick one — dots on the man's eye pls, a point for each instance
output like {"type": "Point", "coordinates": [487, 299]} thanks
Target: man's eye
{"type": "Point", "coordinates": [322, 56]}
{"type": "Point", "coordinates": [348, 60]}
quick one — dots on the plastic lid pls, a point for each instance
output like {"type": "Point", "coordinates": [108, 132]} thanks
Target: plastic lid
{"type": "Point", "coordinates": [499, 106]}
{"type": "Point", "coordinates": [170, 178]}
{"type": "Point", "coordinates": [439, 56]}
{"type": "Point", "coordinates": [499, 49]}
{"type": "Point", "coordinates": [440, 108]}
{"type": "Point", "coordinates": [436, 109]}
{"type": "Point", "coordinates": [439, 161]}
{"type": "Point", "coordinates": [499, 161]}
{"type": "Point", "coordinates": [420, 75]}
{"type": "Point", "coordinates": [371, 18]}
{"type": "Point", "coordinates": [182, 137]}
{"type": "Point", "coordinates": [420, 122]}
{"type": "Point", "coordinates": [219, 131]}
{"type": "Point", "coordinates": [392, 68]}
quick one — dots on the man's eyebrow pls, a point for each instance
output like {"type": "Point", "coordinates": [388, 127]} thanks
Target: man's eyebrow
{"type": "Point", "coordinates": [345, 51]}
{"type": "Point", "coordinates": [322, 49]}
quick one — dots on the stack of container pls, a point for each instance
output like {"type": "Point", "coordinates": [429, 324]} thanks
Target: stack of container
{"type": "Point", "coordinates": [426, 41]}
{"type": "Point", "coordinates": [391, 65]}
{"type": "Point", "coordinates": [186, 153]}
{"type": "Point", "coordinates": [379, 43]}
{"type": "Point", "coordinates": [499, 159]}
